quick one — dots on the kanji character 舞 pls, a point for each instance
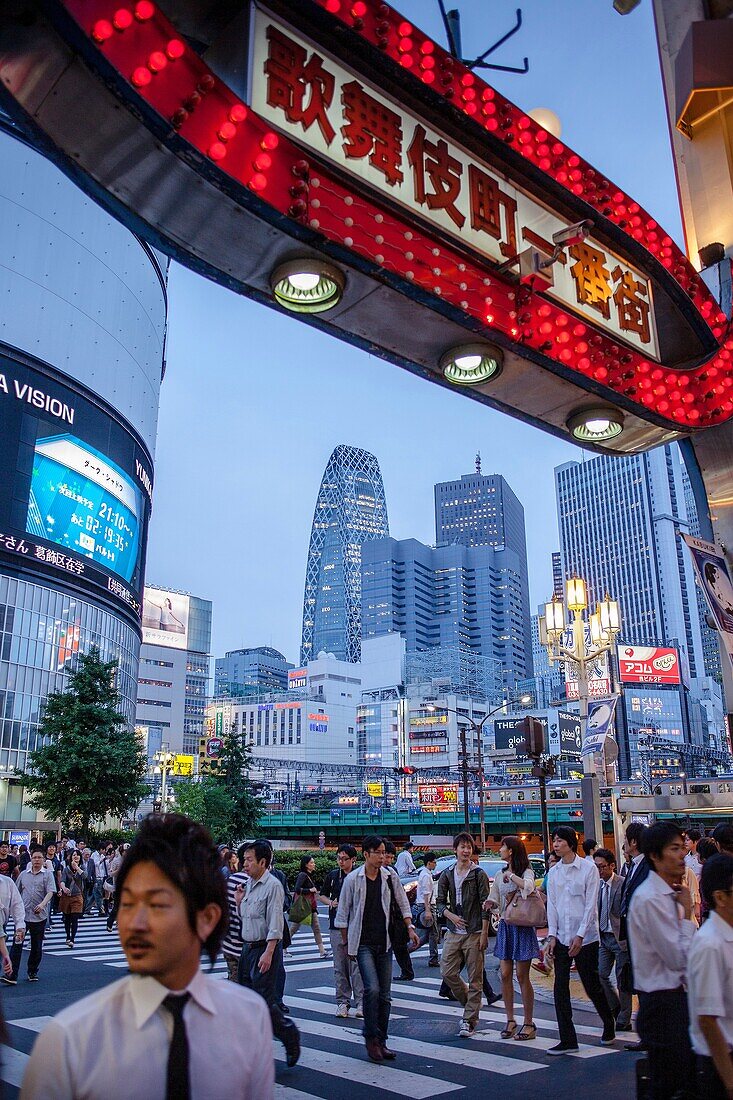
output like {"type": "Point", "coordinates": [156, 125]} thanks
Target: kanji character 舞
{"type": "Point", "coordinates": [372, 130]}
{"type": "Point", "coordinates": [631, 298]}
{"type": "Point", "coordinates": [592, 278]}
{"type": "Point", "coordinates": [487, 203]}
{"type": "Point", "coordinates": [432, 158]}
{"type": "Point", "coordinates": [299, 85]}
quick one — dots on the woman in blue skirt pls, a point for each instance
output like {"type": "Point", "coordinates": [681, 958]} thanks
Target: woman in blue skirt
{"type": "Point", "coordinates": [515, 945]}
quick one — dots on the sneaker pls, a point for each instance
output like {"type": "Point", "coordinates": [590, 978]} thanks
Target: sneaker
{"type": "Point", "coordinates": [69, 943]}
{"type": "Point", "coordinates": [343, 1012]}
{"type": "Point", "coordinates": [359, 1012]}
{"type": "Point", "coordinates": [32, 977]}
{"type": "Point", "coordinates": [563, 1048]}
{"type": "Point", "coordinates": [541, 967]}
{"type": "Point", "coordinates": [609, 1035]}
{"type": "Point", "coordinates": [466, 1030]}
{"type": "Point", "coordinates": [10, 981]}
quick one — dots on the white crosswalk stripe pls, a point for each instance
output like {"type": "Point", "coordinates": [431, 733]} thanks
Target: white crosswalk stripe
{"type": "Point", "coordinates": [334, 1049]}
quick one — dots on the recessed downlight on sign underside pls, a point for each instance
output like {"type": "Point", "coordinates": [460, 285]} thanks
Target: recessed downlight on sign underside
{"type": "Point", "coordinates": [595, 425]}
{"type": "Point", "coordinates": [307, 286]}
{"type": "Point", "coordinates": [471, 364]}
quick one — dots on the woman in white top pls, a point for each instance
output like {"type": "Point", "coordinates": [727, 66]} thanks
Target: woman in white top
{"type": "Point", "coordinates": [515, 945]}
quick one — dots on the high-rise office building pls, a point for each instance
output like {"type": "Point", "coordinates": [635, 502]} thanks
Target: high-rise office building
{"type": "Point", "coordinates": [250, 672]}
{"type": "Point", "coordinates": [82, 347]}
{"type": "Point", "coordinates": [173, 681]}
{"type": "Point", "coordinates": [482, 510]}
{"type": "Point", "coordinates": [350, 510]}
{"type": "Point", "coordinates": [710, 643]}
{"type": "Point", "coordinates": [558, 581]}
{"type": "Point", "coordinates": [619, 520]}
{"type": "Point", "coordinates": [453, 596]}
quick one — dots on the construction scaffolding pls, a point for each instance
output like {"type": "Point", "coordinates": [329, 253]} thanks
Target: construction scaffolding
{"type": "Point", "coordinates": [455, 671]}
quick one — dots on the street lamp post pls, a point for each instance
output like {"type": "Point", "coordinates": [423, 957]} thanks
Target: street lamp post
{"type": "Point", "coordinates": [478, 730]}
{"type": "Point", "coordinates": [164, 761]}
{"type": "Point", "coordinates": [605, 623]}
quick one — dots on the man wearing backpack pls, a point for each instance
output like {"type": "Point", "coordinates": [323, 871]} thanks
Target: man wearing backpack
{"type": "Point", "coordinates": [462, 891]}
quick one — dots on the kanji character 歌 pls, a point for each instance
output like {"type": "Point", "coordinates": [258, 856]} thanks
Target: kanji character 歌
{"type": "Point", "coordinates": [592, 278]}
{"type": "Point", "coordinates": [633, 309]}
{"type": "Point", "coordinates": [372, 130]}
{"type": "Point", "coordinates": [290, 75]}
{"type": "Point", "coordinates": [487, 202]}
{"type": "Point", "coordinates": [444, 173]}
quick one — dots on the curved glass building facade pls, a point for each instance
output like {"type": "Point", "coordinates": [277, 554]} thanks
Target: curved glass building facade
{"type": "Point", "coordinates": [350, 509]}
{"type": "Point", "coordinates": [82, 343]}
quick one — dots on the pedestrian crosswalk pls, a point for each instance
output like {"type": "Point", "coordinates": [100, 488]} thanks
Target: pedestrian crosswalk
{"type": "Point", "coordinates": [333, 1049]}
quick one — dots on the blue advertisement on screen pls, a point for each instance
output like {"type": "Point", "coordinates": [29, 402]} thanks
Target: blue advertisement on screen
{"type": "Point", "coordinates": [81, 500]}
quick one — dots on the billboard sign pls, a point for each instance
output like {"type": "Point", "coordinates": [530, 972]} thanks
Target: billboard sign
{"type": "Point", "coordinates": [20, 836]}
{"type": "Point", "coordinates": [297, 678]}
{"type": "Point", "coordinates": [165, 618]}
{"type": "Point", "coordinates": [182, 764]}
{"type": "Point", "coordinates": [508, 734]}
{"type": "Point", "coordinates": [75, 486]}
{"type": "Point", "coordinates": [393, 152]}
{"type": "Point", "coordinates": [375, 790]}
{"type": "Point", "coordinates": [712, 574]}
{"type": "Point", "coordinates": [598, 724]}
{"type": "Point", "coordinates": [648, 665]}
{"type": "Point", "coordinates": [214, 748]}
{"type": "Point", "coordinates": [569, 729]}
{"type": "Point", "coordinates": [438, 797]}
{"type": "Point", "coordinates": [599, 676]}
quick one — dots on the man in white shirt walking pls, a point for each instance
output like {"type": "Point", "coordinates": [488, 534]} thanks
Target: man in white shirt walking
{"type": "Point", "coordinates": [426, 924]}
{"type": "Point", "coordinates": [661, 928]}
{"type": "Point", "coordinates": [405, 864]}
{"type": "Point", "coordinates": [572, 919]}
{"type": "Point", "coordinates": [692, 860]}
{"type": "Point", "coordinates": [166, 1031]}
{"type": "Point", "coordinates": [710, 983]}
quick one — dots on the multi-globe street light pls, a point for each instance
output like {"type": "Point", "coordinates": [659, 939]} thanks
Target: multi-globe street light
{"type": "Point", "coordinates": [478, 729]}
{"type": "Point", "coordinates": [604, 624]}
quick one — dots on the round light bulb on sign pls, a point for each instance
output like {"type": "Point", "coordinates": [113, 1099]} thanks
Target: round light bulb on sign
{"type": "Point", "coordinates": [471, 364]}
{"type": "Point", "coordinates": [547, 119]}
{"type": "Point", "coordinates": [595, 425]}
{"type": "Point", "coordinates": [307, 285]}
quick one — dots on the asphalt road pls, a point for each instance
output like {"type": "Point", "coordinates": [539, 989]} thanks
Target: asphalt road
{"type": "Point", "coordinates": [431, 1061]}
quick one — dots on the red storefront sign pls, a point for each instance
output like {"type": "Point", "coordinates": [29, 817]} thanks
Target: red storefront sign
{"type": "Point", "coordinates": [648, 665]}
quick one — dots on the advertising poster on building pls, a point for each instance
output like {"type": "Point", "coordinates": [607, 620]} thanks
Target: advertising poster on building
{"type": "Point", "coordinates": [713, 577]}
{"type": "Point", "coordinates": [438, 797]}
{"type": "Point", "coordinates": [599, 677]}
{"type": "Point", "coordinates": [570, 731]}
{"type": "Point", "coordinates": [375, 790]}
{"type": "Point", "coordinates": [165, 618]}
{"type": "Point", "coordinates": [640, 664]}
{"type": "Point", "coordinates": [598, 724]}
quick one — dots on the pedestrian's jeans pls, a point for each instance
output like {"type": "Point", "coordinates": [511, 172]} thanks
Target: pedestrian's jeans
{"type": "Point", "coordinates": [36, 930]}
{"type": "Point", "coordinates": [426, 935]}
{"type": "Point", "coordinates": [375, 967]}
{"type": "Point", "coordinates": [346, 976]}
{"type": "Point", "coordinates": [265, 984]}
{"type": "Point", "coordinates": [96, 898]}
{"type": "Point", "coordinates": [610, 952]}
{"type": "Point", "coordinates": [460, 951]}
{"type": "Point", "coordinates": [586, 962]}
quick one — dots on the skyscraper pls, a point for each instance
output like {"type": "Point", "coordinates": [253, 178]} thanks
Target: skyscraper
{"type": "Point", "coordinates": [350, 510]}
{"type": "Point", "coordinates": [619, 521]}
{"type": "Point", "coordinates": [466, 598]}
{"type": "Point", "coordinates": [249, 671]}
{"type": "Point", "coordinates": [482, 510]}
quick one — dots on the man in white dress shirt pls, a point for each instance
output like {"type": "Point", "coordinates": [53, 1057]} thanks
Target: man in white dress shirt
{"type": "Point", "coordinates": [710, 983]}
{"type": "Point", "coordinates": [165, 1032]}
{"type": "Point", "coordinates": [660, 929]}
{"type": "Point", "coordinates": [572, 920]}
{"type": "Point", "coordinates": [405, 864]}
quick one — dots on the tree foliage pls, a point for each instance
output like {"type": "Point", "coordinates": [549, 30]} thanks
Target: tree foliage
{"type": "Point", "coordinates": [225, 802]}
{"type": "Point", "coordinates": [89, 762]}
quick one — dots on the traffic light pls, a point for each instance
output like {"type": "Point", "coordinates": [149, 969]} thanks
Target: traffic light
{"type": "Point", "coordinates": [575, 813]}
{"type": "Point", "coordinates": [404, 771]}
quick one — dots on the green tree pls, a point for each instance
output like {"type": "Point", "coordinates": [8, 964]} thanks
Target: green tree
{"type": "Point", "coordinates": [208, 802]}
{"type": "Point", "coordinates": [90, 762]}
{"type": "Point", "coordinates": [247, 807]}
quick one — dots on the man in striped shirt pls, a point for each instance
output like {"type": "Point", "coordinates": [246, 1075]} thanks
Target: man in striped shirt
{"type": "Point", "coordinates": [232, 943]}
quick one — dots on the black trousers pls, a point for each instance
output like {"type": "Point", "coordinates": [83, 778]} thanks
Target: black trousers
{"type": "Point", "coordinates": [402, 958]}
{"type": "Point", "coordinates": [708, 1080]}
{"type": "Point", "coordinates": [586, 962]}
{"type": "Point", "coordinates": [36, 930]}
{"type": "Point", "coordinates": [267, 984]}
{"type": "Point", "coordinates": [663, 1025]}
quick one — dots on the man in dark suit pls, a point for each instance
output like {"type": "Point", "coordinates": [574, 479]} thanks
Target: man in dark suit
{"type": "Point", "coordinates": [612, 950]}
{"type": "Point", "coordinates": [637, 871]}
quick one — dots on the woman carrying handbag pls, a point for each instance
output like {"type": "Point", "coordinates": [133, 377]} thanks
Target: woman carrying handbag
{"type": "Point", "coordinates": [516, 943]}
{"type": "Point", "coordinates": [71, 895]}
{"type": "Point", "coordinates": [306, 891]}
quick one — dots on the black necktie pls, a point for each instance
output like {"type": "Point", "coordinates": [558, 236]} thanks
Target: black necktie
{"type": "Point", "coordinates": [177, 1084]}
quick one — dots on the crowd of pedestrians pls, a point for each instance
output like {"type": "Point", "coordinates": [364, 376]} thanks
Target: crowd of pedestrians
{"type": "Point", "coordinates": [660, 926]}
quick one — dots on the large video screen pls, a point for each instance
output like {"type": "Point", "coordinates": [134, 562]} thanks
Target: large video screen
{"type": "Point", "coordinates": [75, 484]}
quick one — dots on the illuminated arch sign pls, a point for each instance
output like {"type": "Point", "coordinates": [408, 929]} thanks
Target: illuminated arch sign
{"type": "Point", "coordinates": [424, 201]}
